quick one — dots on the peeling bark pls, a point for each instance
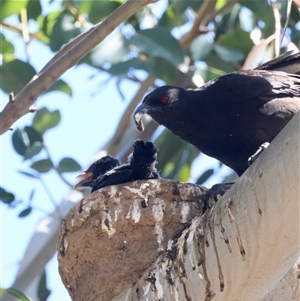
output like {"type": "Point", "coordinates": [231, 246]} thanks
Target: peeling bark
{"type": "Point", "coordinates": [148, 240]}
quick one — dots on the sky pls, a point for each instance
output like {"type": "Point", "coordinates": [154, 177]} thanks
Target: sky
{"type": "Point", "coordinates": [80, 135]}
{"type": "Point", "coordinates": [87, 123]}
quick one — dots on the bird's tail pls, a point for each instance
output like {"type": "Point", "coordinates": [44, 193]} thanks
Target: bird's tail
{"type": "Point", "coordinates": [144, 154]}
{"type": "Point", "coordinates": [287, 62]}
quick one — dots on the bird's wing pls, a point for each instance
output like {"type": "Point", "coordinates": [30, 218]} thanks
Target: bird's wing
{"type": "Point", "coordinates": [114, 177]}
{"type": "Point", "coordinates": [262, 84]}
{"type": "Point", "coordinates": [282, 108]}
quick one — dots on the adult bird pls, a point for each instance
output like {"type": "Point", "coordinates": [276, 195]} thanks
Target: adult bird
{"type": "Point", "coordinates": [97, 169]}
{"type": "Point", "coordinates": [230, 117]}
{"type": "Point", "coordinates": [140, 166]}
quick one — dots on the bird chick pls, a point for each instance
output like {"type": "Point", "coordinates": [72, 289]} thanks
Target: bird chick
{"type": "Point", "coordinates": [140, 166]}
{"type": "Point", "coordinates": [97, 169]}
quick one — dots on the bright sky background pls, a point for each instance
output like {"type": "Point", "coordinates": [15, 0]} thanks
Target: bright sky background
{"type": "Point", "coordinates": [87, 123]}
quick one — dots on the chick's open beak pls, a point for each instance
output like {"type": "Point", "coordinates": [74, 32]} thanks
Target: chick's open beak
{"type": "Point", "coordinates": [87, 179]}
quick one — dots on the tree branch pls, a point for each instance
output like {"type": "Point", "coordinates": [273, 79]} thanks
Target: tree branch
{"type": "Point", "coordinates": [204, 10]}
{"type": "Point", "coordinates": [227, 5]}
{"type": "Point", "coordinates": [117, 141]}
{"type": "Point", "coordinates": [41, 247]}
{"type": "Point", "coordinates": [277, 33]}
{"type": "Point", "coordinates": [297, 3]}
{"type": "Point", "coordinates": [53, 70]}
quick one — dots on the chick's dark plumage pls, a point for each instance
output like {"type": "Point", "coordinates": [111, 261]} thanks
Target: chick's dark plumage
{"type": "Point", "coordinates": [96, 169]}
{"type": "Point", "coordinates": [229, 118]}
{"type": "Point", "coordinates": [140, 166]}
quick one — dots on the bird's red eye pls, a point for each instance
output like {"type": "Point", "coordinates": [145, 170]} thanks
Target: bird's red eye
{"type": "Point", "coordinates": [165, 100]}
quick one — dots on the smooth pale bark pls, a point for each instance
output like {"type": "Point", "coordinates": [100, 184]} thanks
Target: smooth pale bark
{"type": "Point", "coordinates": [41, 248]}
{"type": "Point", "coordinates": [135, 242]}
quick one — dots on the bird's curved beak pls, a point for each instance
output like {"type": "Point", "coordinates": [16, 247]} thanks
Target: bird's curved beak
{"type": "Point", "coordinates": [137, 116]}
{"type": "Point", "coordinates": [87, 179]}
{"type": "Point", "coordinates": [144, 108]}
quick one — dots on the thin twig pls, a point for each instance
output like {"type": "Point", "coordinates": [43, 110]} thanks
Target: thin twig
{"type": "Point", "coordinates": [16, 28]}
{"type": "Point", "coordinates": [113, 145]}
{"type": "Point", "coordinates": [58, 173]}
{"type": "Point", "coordinates": [40, 209]}
{"type": "Point", "coordinates": [297, 3]}
{"type": "Point", "coordinates": [24, 22]}
{"type": "Point", "coordinates": [277, 32]}
{"type": "Point", "coordinates": [215, 13]}
{"type": "Point", "coordinates": [56, 207]}
{"type": "Point", "coordinates": [63, 178]}
{"type": "Point", "coordinates": [11, 96]}
{"type": "Point", "coordinates": [205, 8]}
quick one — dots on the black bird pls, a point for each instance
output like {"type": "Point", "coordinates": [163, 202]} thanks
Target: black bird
{"type": "Point", "coordinates": [140, 166]}
{"type": "Point", "coordinates": [230, 117]}
{"type": "Point", "coordinates": [98, 168]}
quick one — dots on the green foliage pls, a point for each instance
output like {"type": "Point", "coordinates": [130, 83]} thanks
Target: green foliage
{"type": "Point", "coordinates": [6, 47]}
{"type": "Point", "coordinates": [122, 68]}
{"type": "Point", "coordinates": [98, 10]}
{"type": "Point", "coordinates": [185, 172]}
{"type": "Point", "coordinates": [42, 166]}
{"type": "Point", "coordinates": [261, 12]}
{"type": "Point", "coordinates": [159, 53]}
{"type": "Point", "coordinates": [164, 70]}
{"type": "Point", "coordinates": [230, 21]}
{"type": "Point", "coordinates": [6, 197]}
{"type": "Point", "coordinates": [172, 17]}
{"type": "Point", "coordinates": [43, 292]}
{"type": "Point", "coordinates": [215, 61]}
{"type": "Point", "coordinates": [11, 7]}
{"type": "Point", "coordinates": [174, 157]}
{"type": "Point", "coordinates": [61, 86]}
{"type": "Point", "coordinates": [25, 212]}
{"type": "Point", "coordinates": [68, 165]}
{"type": "Point", "coordinates": [18, 142]}
{"type": "Point", "coordinates": [34, 9]}
{"type": "Point", "coordinates": [146, 42]}
{"type": "Point", "coordinates": [182, 6]}
{"type": "Point", "coordinates": [114, 50]}
{"type": "Point", "coordinates": [134, 46]}
{"type": "Point", "coordinates": [45, 120]}
{"type": "Point", "coordinates": [153, 50]}
{"type": "Point", "coordinates": [200, 48]}
{"type": "Point", "coordinates": [28, 174]}
{"type": "Point", "coordinates": [205, 176]}
{"type": "Point", "coordinates": [12, 78]}
{"type": "Point", "coordinates": [158, 42]}
{"type": "Point", "coordinates": [63, 31]}
{"type": "Point", "coordinates": [232, 39]}
{"type": "Point", "coordinates": [27, 142]}
{"type": "Point", "coordinates": [46, 24]}
{"type": "Point", "coordinates": [14, 292]}
{"type": "Point", "coordinates": [228, 54]}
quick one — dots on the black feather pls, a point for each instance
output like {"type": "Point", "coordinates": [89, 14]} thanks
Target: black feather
{"type": "Point", "coordinates": [97, 169]}
{"type": "Point", "coordinates": [140, 166]}
{"type": "Point", "coordinates": [229, 118]}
